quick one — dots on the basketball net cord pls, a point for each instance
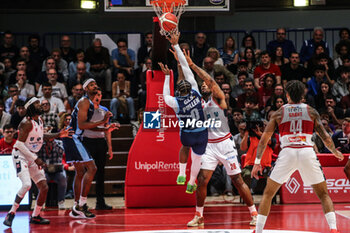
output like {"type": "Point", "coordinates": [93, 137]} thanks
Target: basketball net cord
{"type": "Point", "coordinates": [177, 10]}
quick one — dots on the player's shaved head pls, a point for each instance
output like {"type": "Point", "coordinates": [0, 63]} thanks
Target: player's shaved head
{"type": "Point", "coordinates": [295, 90]}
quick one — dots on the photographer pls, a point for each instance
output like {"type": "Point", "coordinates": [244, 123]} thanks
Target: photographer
{"type": "Point", "coordinates": [250, 142]}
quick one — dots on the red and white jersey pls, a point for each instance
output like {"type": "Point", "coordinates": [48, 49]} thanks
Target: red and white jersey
{"type": "Point", "coordinates": [35, 137]}
{"type": "Point", "coordinates": [296, 126]}
{"type": "Point", "coordinates": [214, 113]}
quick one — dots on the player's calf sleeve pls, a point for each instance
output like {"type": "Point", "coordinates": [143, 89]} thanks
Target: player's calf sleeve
{"type": "Point", "coordinates": [331, 220]}
{"type": "Point", "coordinates": [195, 167]}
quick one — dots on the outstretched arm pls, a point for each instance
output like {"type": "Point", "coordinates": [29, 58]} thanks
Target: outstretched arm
{"type": "Point", "coordinates": [169, 100]}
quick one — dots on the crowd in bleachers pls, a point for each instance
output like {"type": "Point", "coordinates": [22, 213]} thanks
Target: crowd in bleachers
{"type": "Point", "coordinates": [252, 79]}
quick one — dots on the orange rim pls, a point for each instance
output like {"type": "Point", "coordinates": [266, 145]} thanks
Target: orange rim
{"type": "Point", "coordinates": [168, 3]}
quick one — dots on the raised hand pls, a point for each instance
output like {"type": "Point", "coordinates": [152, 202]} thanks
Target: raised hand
{"type": "Point", "coordinates": [174, 37]}
{"type": "Point", "coordinates": [188, 57]}
{"type": "Point", "coordinates": [165, 68]}
{"type": "Point", "coordinates": [66, 133]}
{"type": "Point", "coordinates": [174, 53]}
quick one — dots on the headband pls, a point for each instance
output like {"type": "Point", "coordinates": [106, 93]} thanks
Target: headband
{"type": "Point", "coordinates": [87, 82]}
{"type": "Point", "coordinates": [30, 102]}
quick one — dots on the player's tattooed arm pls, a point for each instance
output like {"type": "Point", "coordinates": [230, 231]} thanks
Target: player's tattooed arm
{"type": "Point", "coordinates": [321, 131]}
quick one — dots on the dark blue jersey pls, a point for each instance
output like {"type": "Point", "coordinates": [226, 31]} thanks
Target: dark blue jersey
{"type": "Point", "coordinates": [74, 121]}
{"type": "Point", "coordinates": [190, 110]}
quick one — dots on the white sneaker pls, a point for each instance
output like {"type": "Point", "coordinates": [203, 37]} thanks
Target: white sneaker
{"type": "Point", "coordinates": [61, 205]}
{"type": "Point", "coordinates": [196, 221]}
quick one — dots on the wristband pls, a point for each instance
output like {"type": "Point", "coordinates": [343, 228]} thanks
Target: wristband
{"type": "Point", "coordinates": [257, 161]}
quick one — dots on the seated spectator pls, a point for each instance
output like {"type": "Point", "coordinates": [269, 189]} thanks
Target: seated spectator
{"type": "Point", "coordinates": [9, 70]}
{"type": "Point", "coordinates": [123, 57]}
{"type": "Point", "coordinates": [220, 182]}
{"type": "Point", "coordinates": [278, 91]}
{"type": "Point", "coordinates": [136, 124]}
{"type": "Point", "coordinates": [20, 65]}
{"type": "Point", "coordinates": [61, 64]}
{"type": "Point", "coordinates": [249, 90]}
{"type": "Point", "coordinates": [67, 52]}
{"type": "Point", "coordinates": [239, 88]}
{"type": "Point", "coordinates": [58, 89]}
{"type": "Point", "coordinates": [145, 51]}
{"type": "Point", "coordinates": [231, 102]}
{"type": "Point", "coordinates": [340, 89]}
{"type": "Point", "coordinates": [77, 93]}
{"type": "Point", "coordinates": [312, 62]}
{"type": "Point", "coordinates": [278, 58]}
{"type": "Point", "coordinates": [314, 83]}
{"type": "Point", "coordinates": [249, 56]}
{"type": "Point", "coordinates": [319, 147]}
{"type": "Point", "coordinates": [33, 67]}
{"type": "Point", "coordinates": [326, 61]}
{"type": "Point", "coordinates": [42, 77]}
{"type": "Point", "coordinates": [341, 139]}
{"type": "Point", "coordinates": [37, 53]}
{"type": "Point", "coordinates": [249, 42]}
{"type": "Point", "coordinates": [265, 67]}
{"type": "Point", "coordinates": [14, 95]}
{"type": "Point", "coordinates": [122, 105]}
{"type": "Point", "coordinates": [266, 90]}
{"type": "Point", "coordinates": [5, 117]}
{"type": "Point", "coordinates": [320, 98]}
{"type": "Point", "coordinates": [8, 48]}
{"type": "Point", "coordinates": [234, 119]}
{"type": "Point", "coordinates": [80, 76]}
{"type": "Point", "coordinates": [335, 113]}
{"type": "Point", "coordinates": [308, 98]}
{"type": "Point", "coordinates": [342, 49]}
{"type": "Point", "coordinates": [7, 142]}
{"type": "Point", "coordinates": [214, 53]}
{"type": "Point", "coordinates": [219, 78]}
{"type": "Point", "coordinates": [237, 138]}
{"type": "Point", "coordinates": [281, 41]}
{"type": "Point", "coordinates": [308, 46]}
{"type": "Point", "coordinates": [52, 153]}
{"type": "Point", "coordinates": [19, 113]}
{"type": "Point", "coordinates": [345, 101]}
{"type": "Point", "coordinates": [242, 67]}
{"type": "Point", "coordinates": [276, 103]}
{"type": "Point", "coordinates": [56, 104]}
{"type": "Point", "coordinates": [50, 119]}
{"type": "Point", "coordinates": [26, 90]}
{"type": "Point", "coordinates": [250, 143]}
{"type": "Point", "coordinates": [293, 70]}
{"type": "Point", "coordinates": [250, 111]}
{"type": "Point", "coordinates": [80, 57]}
{"type": "Point", "coordinates": [200, 49]}
{"type": "Point", "coordinates": [229, 54]}
{"type": "Point", "coordinates": [142, 90]}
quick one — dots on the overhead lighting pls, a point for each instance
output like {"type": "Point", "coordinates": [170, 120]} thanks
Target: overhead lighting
{"type": "Point", "coordinates": [301, 3]}
{"type": "Point", "coordinates": [88, 4]}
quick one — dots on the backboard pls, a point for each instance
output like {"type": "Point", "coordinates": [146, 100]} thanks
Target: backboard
{"type": "Point", "coordinates": [145, 6]}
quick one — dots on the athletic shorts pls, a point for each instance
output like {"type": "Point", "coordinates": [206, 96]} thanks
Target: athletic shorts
{"type": "Point", "coordinates": [196, 140]}
{"type": "Point", "coordinates": [302, 159]}
{"type": "Point", "coordinates": [224, 152]}
{"type": "Point", "coordinates": [27, 168]}
{"type": "Point", "coordinates": [75, 150]}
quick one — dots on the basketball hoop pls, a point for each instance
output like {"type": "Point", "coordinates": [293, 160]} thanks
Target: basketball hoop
{"type": "Point", "coordinates": [177, 7]}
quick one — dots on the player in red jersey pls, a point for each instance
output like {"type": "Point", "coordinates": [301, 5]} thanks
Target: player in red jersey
{"type": "Point", "coordinates": [296, 122]}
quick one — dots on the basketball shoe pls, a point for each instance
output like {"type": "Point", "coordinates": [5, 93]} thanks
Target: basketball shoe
{"type": "Point", "coordinates": [254, 216]}
{"type": "Point", "coordinates": [39, 220]}
{"type": "Point", "coordinates": [191, 188]}
{"type": "Point", "coordinates": [9, 218]}
{"type": "Point", "coordinates": [334, 231]}
{"type": "Point", "coordinates": [181, 180]}
{"type": "Point", "coordinates": [196, 221]}
{"type": "Point", "coordinates": [81, 212]}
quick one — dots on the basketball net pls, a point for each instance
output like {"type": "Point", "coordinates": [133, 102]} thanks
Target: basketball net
{"type": "Point", "coordinates": [177, 7]}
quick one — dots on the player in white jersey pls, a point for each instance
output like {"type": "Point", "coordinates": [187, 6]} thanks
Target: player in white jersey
{"type": "Point", "coordinates": [27, 163]}
{"type": "Point", "coordinates": [296, 122]}
{"type": "Point", "coordinates": [220, 148]}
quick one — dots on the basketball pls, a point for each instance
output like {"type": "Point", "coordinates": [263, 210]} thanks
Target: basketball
{"type": "Point", "coordinates": [168, 21]}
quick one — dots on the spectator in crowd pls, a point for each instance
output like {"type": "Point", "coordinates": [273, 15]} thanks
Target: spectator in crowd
{"type": "Point", "coordinates": [324, 59]}
{"type": "Point", "coordinates": [77, 93]}
{"type": "Point", "coordinates": [250, 111]}
{"type": "Point", "coordinates": [233, 122]}
{"type": "Point", "coordinates": [214, 53]}
{"type": "Point", "coordinates": [344, 34]}
{"type": "Point", "coordinates": [61, 64]}
{"type": "Point", "coordinates": [266, 90]}
{"type": "Point", "coordinates": [8, 48]}
{"type": "Point", "coordinates": [249, 56]}
{"type": "Point", "coordinates": [14, 95]}
{"type": "Point", "coordinates": [7, 142]}
{"type": "Point", "coordinates": [145, 51]}
{"type": "Point", "coordinates": [320, 98]}
{"type": "Point", "coordinates": [314, 83]}
{"type": "Point", "coordinates": [37, 53]}
{"type": "Point", "coordinates": [33, 67]}
{"type": "Point", "coordinates": [4, 116]}
{"type": "Point", "coordinates": [52, 153]}
{"type": "Point", "coordinates": [341, 138]}
{"type": "Point", "coordinates": [9, 70]}
{"type": "Point", "coordinates": [231, 102]}
{"type": "Point", "coordinates": [242, 66]}
{"type": "Point", "coordinates": [67, 52]}
{"type": "Point", "coordinates": [19, 113]}
{"type": "Point", "coordinates": [200, 48]}
{"type": "Point", "coordinates": [319, 146]}
{"type": "Point", "coordinates": [313, 61]}
{"type": "Point", "coordinates": [25, 89]}
{"type": "Point", "coordinates": [308, 98]}
{"type": "Point", "coordinates": [278, 91]}
{"type": "Point", "coordinates": [265, 67]}
{"type": "Point", "coordinates": [229, 53]}
{"type": "Point", "coordinates": [56, 104]}
{"type": "Point", "coordinates": [249, 42]}
{"type": "Point", "coordinates": [276, 103]}
{"type": "Point", "coordinates": [42, 77]}
{"type": "Point", "coordinates": [80, 76]}
{"type": "Point", "coordinates": [20, 65]}
{"type": "Point", "coordinates": [219, 78]}
{"type": "Point", "coordinates": [50, 119]}
{"type": "Point", "coordinates": [335, 113]}
{"type": "Point", "coordinates": [345, 101]}
{"type": "Point", "coordinates": [239, 88]}
{"type": "Point", "coordinates": [99, 59]}
{"type": "Point", "coordinates": [340, 89]}
{"type": "Point", "coordinates": [249, 90]}
{"type": "Point", "coordinates": [136, 124]}
{"type": "Point", "coordinates": [73, 65]}
{"type": "Point", "coordinates": [277, 57]}
{"type": "Point", "coordinates": [122, 105]}
{"type": "Point", "coordinates": [308, 46]}
{"type": "Point", "coordinates": [239, 137]}
{"type": "Point", "coordinates": [142, 90]}
{"type": "Point", "coordinates": [293, 70]}
{"type": "Point", "coordinates": [281, 41]}
{"type": "Point", "coordinates": [250, 143]}
{"type": "Point", "coordinates": [342, 49]}
{"type": "Point", "coordinates": [58, 89]}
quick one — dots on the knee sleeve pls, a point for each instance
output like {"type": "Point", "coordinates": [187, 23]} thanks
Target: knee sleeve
{"type": "Point", "coordinates": [26, 185]}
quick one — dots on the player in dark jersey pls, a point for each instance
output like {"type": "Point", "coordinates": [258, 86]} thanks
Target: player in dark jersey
{"type": "Point", "coordinates": [77, 154]}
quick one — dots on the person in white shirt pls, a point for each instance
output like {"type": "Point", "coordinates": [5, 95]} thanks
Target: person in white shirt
{"type": "Point", "coordinates": [57, 105]}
